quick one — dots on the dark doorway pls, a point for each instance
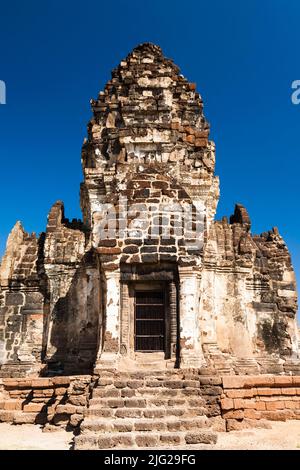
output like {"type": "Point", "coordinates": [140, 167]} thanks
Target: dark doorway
{"type": "Point", "coordinates": [149, 321]}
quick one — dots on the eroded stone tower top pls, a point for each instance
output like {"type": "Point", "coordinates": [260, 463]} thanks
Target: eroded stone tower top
{"type": "Point", "coordinates": [150, 115]}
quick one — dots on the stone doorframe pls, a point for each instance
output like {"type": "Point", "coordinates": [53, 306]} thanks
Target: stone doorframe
{"type": "Point", "coordinates": [127, 334]}
{"type": "Point", "coordinates": [183, 323]}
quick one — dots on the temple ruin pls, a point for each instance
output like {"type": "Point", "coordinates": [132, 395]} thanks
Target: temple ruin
{"type": "Point", "coordinates": [148, 279]}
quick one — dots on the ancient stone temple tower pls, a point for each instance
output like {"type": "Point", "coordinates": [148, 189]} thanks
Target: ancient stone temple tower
{"type": "Point", "coordinates": [148, 278]}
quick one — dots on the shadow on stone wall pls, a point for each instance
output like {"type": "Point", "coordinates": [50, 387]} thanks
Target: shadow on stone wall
{"type": "Point", "coordinates": [72, 328]}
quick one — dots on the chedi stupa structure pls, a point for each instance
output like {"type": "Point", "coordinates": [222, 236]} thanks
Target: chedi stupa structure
{"type": "Point", "coordinates": [148, 278]}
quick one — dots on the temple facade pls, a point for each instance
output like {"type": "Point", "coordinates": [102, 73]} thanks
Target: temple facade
{"type": "Point", "coordinates": [148, 278]}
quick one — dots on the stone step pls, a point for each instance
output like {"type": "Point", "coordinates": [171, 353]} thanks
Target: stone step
{"type": "Point", "coordinates": [113, 392]}
{"type": "Point", "coordinates": [141, 374]}
{"type": "Point", "coordinates": [146, 402]}
{"type": "Point", "coordinates": [93, 424]}
{"type": "Point", "coordinates": [151, 382]}
{"type": "Point", "coordinates": [155, 412]}
{"type": "Point", "coordinates": [94, 441]}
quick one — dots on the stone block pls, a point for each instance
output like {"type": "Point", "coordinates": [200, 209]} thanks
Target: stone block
{"type": "Point", "coordinates": [252, 414]}
{"type": "Point", "coordinates": [135, 403]}
{"type": "Point", "coordinates": [274, 405]}
{"type": "Point", "coordinates": [61, 418]}
{"type": "Point", "coordinates": [61, 381]}
{"type": "Point", "coordinates": [283, 381]}
{"type": "Point", "coordinates": [259, 381]}
{"type": "Point", "coordinates": [41, 383]}
{"type": "Point", "coordinates": [76, 419]}
{"type": "Point", "coordinates": [296, 380]}
{"type": "Point", "coordinates": [147, 440]}
{"type": "Point", "coordinates": [227, 404]}
{"type": "Point", "coordinates": [260, 405]}
{"type": "Point", "coordinates": [24, 418]}
{"type": "Point", "coordinates": [274, 415]}
{"type": "Point", "coordinates": [33, 407]}
{"type": "Point", "coordinates": [234, 381]}
{"type": "Point", "coordinates": [288, 391]}
{"type": "Point", "coordinates": [235, 414]}
{"type": "Point", "coordinates": [290, 404]}
{"type": "Point", "coordinates": [12, 405]}
{"type": "Point", "coordinates": [201, 437]}
{"type": "Point", "coordinates": [266, 391]}
{"type": "Point", "coordinates": [169, 439]}
{"type": "Point", "coordinates": [155, 413]}
{"type": "Point", "coordinates": [129, 413]}
{"type": "Point", "coordinates": [68, 409]}
{"type": "Point", "coordinates": [127, 426]}
{"type": "Point", "coordinates": [134, 384]}
{"type": "Point", "coordinates": [6, 416]}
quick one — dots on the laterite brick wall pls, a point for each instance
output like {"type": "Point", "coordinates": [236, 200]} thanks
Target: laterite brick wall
{"type": "Point", "coordinates": [246, 400]}
{"type": "Point", "coordinates": [56, 401]}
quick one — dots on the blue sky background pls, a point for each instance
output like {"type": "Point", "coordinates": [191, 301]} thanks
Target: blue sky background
{"type": "Point", "coordinates": [243, 55]}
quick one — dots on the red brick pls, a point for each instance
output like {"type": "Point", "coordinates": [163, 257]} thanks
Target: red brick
{"type": "Point", "coordinates": [238, 403]}
{"type": "Point", "coordinates": [249, 404]}
{"type": "Point", "coordinates": [33, 407]}
{"type": "Point", "coordinates": [265, 391]}
{"type": "Point", "coordinates": [175, 125]}
{"type": "Point", "coordinates": [296, 380]}
{"type": "Point", "coordinates": [252, 414]}
{"type": "Point", "coordinates": [275, 405]}
{"type": "Point", "coordinates": [227, 404]}
{"type": "Point", "coordinates": [288, 391]}
{"type": "Point", "coordinates": [235, 393]}
{"type": "Point", "coordinates": [291, 404]}
{"type": "Point", "coordinates": [259, 381]}
{"type": "Point", "coordinates": [41, 383]}
{"type": "Point", "coordinates": [234, 381]}
{"type": "Point", "coordinates": [201, 142]}
{"type": "Point", "coordinates": [201, 134]}
{"type": "Point", "coordinates": [61, 381]}
{"type": "Point", "coordinates": [283, 381]}
{"type": "Point", "coordinates": [274, 415]}
{"type": "Point", "coordinates": [260, 406]}
{"type": "Point", "coordinates": [234, 414]}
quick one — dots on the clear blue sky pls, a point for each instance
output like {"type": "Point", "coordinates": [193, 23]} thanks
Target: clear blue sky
{"type": "Point", "coordinates": [243, 55]}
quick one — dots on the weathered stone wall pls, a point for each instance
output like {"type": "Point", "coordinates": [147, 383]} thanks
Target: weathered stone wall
{"type": "Point", "coordinates": [57, 401]}
{"type": "Point", "coordinates": [49, 299]}
{"type": "Point", "coordinates": [249, 300]}
{"type": "Point", "coordinates": [21, 302]}
{"type": "Point", "coordinates": [73, 313]}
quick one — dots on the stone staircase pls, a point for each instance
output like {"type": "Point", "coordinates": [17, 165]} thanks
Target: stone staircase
{"type": "Point", "coordinates": [148, 409]}
{"type": "Point", "coordinates": [217, 360]}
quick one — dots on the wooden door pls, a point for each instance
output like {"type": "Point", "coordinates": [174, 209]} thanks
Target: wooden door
{"type": "Point", "coordinates": [149, 321]}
